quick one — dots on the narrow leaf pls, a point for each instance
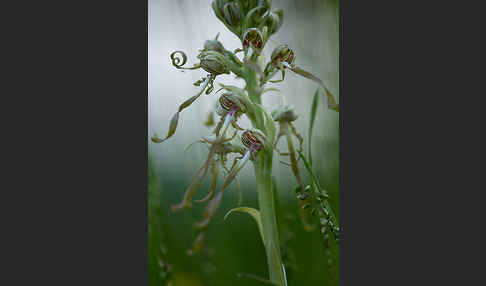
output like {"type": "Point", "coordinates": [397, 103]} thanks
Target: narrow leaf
{"type": "Point", "coordinates": [251, 211]}
{"type": "Point", "coordinates": [315, 100]}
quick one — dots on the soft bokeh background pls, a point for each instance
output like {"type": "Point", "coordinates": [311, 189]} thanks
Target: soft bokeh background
{"type": "Point", "coordinates": [311, 29]}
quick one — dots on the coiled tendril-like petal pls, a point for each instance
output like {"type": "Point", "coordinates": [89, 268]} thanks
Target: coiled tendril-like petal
{"type": "Point", "coordinates": [176, 61]}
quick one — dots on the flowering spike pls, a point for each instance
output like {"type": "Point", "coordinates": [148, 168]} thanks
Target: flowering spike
{"type": "Point", "coordinates": [253, 22]}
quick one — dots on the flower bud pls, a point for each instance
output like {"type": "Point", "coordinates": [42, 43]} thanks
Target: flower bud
{"type": "Point", "coordinates": [254, 37]}
{"type": "Point", "coordinates": [284, 113]}
{"type": "Point", "coordinates": [273, 21]}
{"type": "Point", "coordinates": [231, 14]}
{"type": "Point", "coordinates": [282, 53]}
{"type": "Point", "coordinates": [212, 64]}
{"type": "Point", "coordinates": [213, 45]}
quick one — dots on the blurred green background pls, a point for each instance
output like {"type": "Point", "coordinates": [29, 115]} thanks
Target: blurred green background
{"type": "Point", "coordinates": [311, 29]}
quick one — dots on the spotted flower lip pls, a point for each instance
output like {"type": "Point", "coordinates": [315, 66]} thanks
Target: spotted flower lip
{"type": "Point", "coordinates": [253, 140]}
{"type": "Point", "coordinates": [254, 37]}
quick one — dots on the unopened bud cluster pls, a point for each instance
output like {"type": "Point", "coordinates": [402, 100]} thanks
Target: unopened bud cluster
{"type": "Point", "coordinates": [252, 21]}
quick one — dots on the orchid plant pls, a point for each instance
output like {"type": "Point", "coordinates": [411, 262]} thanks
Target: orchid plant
{"type": "Point", "coordinates": [253, 22]}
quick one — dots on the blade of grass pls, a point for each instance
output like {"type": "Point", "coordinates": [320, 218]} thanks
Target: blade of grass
{"type": "Point", "coordinates": [311, 122]}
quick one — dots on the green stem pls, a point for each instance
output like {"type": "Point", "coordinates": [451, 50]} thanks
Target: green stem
{"type": "Point", "coordinates": [263, 174]}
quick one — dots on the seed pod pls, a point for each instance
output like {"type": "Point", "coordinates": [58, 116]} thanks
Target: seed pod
{"type": "Point", "coordinates": [273, 20]}
{"type": "Point", "coordinates": [283, 53]}
{"type": "Point", "coordinates": [231, 14]}
{"type": "Point", "coordinates": [254, 38]}
{"type": "Point", "coordinates": [284, 113]}
{"type": "Point", "coordinates": [213, 65]}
